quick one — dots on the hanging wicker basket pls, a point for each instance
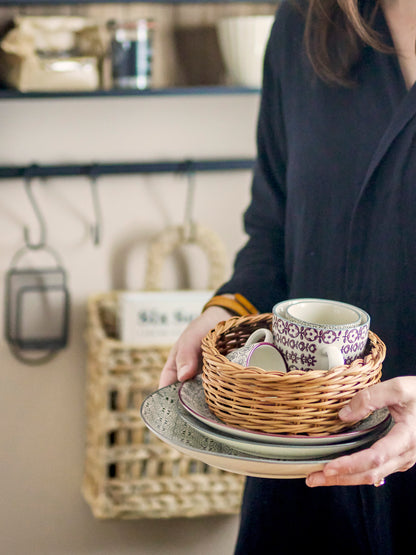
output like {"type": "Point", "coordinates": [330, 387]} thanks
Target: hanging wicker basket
{"type": "Point", "coordinates": [129, 472]}
{"type": "Point", "coordinates": [296, 402]}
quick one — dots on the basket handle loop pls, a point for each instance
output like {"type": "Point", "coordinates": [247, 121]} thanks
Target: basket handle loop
{"type": "Point", "coordinates": [172, 238]}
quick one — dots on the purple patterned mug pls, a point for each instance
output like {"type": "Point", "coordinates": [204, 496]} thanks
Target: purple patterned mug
{"type": "Point", "coordinates": [259, 351]}
{"type": "Point", "coordinates": [319, 334]}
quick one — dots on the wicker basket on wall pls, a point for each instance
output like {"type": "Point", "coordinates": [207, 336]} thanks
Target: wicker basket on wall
{"type": "Point", "coordinates": [296, 402]}
{"type": "Point", "coordinates": [129, 472]}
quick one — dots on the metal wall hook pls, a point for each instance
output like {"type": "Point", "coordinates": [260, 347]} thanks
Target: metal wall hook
{"type": "Point", "coordinates": [41, 220]}
{"type": "Point", "coordinates": [95, 228]}
{"type": "Point", "coordinates": [189, 223]}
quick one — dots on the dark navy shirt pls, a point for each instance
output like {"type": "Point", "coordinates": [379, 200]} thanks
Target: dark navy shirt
{"type": "Point", "coordinates": [334, 191]}
{"type": "Point", "coordinates": [333, 215]}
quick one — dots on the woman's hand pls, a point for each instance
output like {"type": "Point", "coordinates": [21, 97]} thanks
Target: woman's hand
{"type": "Point", "coordinates": [395, 452]}
{"type": "Point", "coordinates": [185, 357]}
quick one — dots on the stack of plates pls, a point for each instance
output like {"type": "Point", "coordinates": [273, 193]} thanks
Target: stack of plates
{"type": "Point", "coordinates": [179, 416]}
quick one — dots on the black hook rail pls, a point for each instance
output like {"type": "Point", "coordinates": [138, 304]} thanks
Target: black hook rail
{"type": "Point", "coordinates": [97, 170]}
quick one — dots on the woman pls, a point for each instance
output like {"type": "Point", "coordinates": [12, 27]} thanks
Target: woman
{"type": "Point", "coordinates": [332, 216]}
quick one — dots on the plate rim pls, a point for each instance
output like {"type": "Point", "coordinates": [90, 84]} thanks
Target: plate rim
{"type": "Point", "coordinates": [229, 441]}
{"type": "Point", "coordinates": [243, 457]}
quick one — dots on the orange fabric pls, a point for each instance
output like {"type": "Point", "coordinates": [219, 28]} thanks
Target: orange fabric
{"type": "Point", "coordinates": [239, 305]}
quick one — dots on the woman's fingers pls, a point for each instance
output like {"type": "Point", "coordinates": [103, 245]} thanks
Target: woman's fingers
{"type": "Point", "coordinates": [395, 452]}
{"type": "Point", "coordinates": [169, 374]}
{"type": "Point", "coordinates": [188, 358]}
{"type": "Point", "coordinates": [394, 392]}
{"type": "Point", "coordinates": [185, 357]}
{"type": "Point", "coordinates": [385, 456]}
{"type": "Point", "coordinates": [183, 360]}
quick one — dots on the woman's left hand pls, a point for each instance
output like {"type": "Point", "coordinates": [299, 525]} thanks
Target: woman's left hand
{"type": "Point", "coordinates": [395, 452]}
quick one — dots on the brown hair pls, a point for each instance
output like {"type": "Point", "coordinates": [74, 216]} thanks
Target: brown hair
{"type": "Point", "coordinates": [335, 33]}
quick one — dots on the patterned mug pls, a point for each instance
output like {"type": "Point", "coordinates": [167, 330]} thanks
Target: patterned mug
{"type": "Point", "coordinates": [319, 334]}
{"type": "Point", "coordinates": [259, 351]}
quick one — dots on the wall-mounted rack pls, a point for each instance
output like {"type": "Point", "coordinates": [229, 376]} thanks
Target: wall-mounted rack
{"type": "Point", "coordinates": [124, 168]}
{"type": "Point", "coordinates": [12, 94]}
{"type": "Point", "coordinates": [69, 2]}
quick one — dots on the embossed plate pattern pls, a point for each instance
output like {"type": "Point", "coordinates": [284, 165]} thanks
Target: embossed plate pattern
{"type": "Point", "coordinates": [161, 412]}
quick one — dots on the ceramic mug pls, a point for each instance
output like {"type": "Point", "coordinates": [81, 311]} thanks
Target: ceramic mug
{"type": "Point", "coordinates": [259, 350]}
{"type": "Point", "coordinates": [319, 334]}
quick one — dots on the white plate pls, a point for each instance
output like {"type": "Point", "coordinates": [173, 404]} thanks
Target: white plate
{"type": "Point", "coordinates": [192, 398]}
{"type": "Point", "coordinates": [161, 412]}
{"type": "Point", "coordinates": [279, 451]}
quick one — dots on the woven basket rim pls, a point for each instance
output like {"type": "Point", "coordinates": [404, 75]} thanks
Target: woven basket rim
{"type": "Point", "coordinates": [209, 346]}
{"type": "Point", "coordinates": [295, 402]}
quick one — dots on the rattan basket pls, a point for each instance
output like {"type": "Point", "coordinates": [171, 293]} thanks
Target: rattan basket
{"type": "Point", "coordinates": [297, 402]}
{"type": "Point", "coordinates": [129, 472]}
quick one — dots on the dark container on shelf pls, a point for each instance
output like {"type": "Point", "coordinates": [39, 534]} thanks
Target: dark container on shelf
{"type": "Point", "coordinates": [131, 53]}
{"type": "Point", "coordinates": [200, 60]}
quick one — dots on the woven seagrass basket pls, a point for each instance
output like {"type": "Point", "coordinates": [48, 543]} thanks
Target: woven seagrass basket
{"type": "Point", "coordinates": [129, 472]}
{"type": "Point", "coordinates": [296, 402]}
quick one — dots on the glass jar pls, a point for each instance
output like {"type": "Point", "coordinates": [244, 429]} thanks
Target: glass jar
{"type": "Point", "coordinates": [132, 53]}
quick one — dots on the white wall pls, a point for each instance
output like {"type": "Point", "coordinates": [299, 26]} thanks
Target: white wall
{"type": "Point", "coordinates": [42, 417]}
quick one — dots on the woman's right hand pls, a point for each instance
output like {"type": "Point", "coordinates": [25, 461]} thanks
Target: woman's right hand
{"type": "Point", "coordinates": [184, 359]}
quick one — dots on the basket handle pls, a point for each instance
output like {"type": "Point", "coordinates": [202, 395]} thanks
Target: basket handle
{"type": "Point", "coordinates": [172, 238]}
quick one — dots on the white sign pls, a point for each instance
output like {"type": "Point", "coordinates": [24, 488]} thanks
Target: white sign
{"type": "Point", "coordinates": [158, 317]}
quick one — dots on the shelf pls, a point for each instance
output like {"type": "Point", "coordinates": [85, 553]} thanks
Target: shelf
{"type": "Point", "coordinates": [171, 91]}
{"type": "Point", "coordinates": [72, 2]}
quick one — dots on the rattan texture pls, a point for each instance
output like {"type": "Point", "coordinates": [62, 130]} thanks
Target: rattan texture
{"type": "Point", "coordinates": [129, 473]}
{"type": "Point", "coordinates": [296, 402]}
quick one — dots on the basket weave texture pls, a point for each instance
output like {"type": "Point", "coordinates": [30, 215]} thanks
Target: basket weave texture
{"type": "Point", "coordinates": [296, 402]}
{"type": "Point", "coordinates": [129, 472]}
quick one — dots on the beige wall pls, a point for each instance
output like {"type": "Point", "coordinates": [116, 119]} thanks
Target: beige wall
{"type": "Point", "coordinates": [42, 417]}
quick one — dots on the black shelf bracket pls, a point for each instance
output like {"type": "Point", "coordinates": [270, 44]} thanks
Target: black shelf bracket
{"type": "Point", "coordinates": [124, 168]}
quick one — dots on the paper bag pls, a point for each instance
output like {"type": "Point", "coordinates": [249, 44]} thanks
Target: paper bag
{"type": "Point", "coordinates": [52, 54]}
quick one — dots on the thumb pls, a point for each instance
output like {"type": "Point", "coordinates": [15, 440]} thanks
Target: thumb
{"type": "Point", "coordinates": [187, 362]}
{"type": "Point", "coordinates": [368, 400]}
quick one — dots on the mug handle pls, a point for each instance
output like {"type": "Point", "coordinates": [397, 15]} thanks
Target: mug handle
{"type": "Point", "coordinates": [334, 355]}
{"type": "Point", "coordinates": [262, 335]}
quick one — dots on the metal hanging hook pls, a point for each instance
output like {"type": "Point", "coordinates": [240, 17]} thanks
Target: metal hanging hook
{"type": "Point", "coordinates": [189, 223]}
{"type": "Point", "coordinates": [41, 220]}
{"type": "Point", "coordinates": [96, 228]}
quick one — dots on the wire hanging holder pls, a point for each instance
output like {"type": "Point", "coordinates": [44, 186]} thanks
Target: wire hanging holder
{"type": "Point", "coordinates": [37, 301]}
{"type": "Point", "coordinates": [37, 308]}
